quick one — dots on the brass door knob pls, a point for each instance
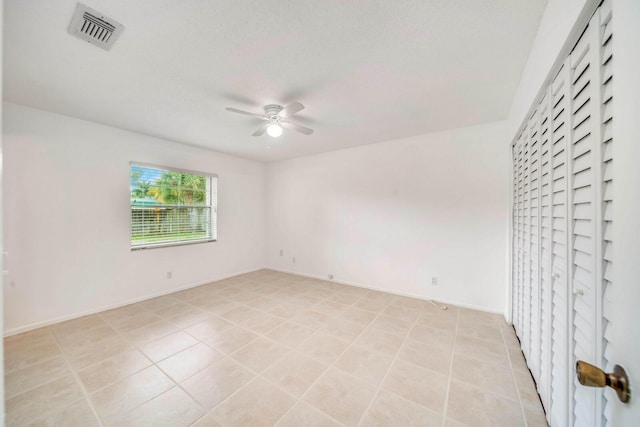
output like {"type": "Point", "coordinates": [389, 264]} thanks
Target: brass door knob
{"type": "Point", "coordinates": [592, 376]}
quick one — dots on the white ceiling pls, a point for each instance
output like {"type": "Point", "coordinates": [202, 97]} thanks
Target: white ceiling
{"type": "Point", "coordinates": [367, 71]}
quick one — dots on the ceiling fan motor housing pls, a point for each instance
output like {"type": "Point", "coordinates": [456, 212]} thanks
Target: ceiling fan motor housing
{"type": "Point", "coordinates": [272, 111]}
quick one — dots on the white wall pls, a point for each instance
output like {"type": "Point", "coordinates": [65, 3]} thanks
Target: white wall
{"type": "Point", "coordinates": [391, 215]}
{"type": "Point", "coordinates": [66, 190]}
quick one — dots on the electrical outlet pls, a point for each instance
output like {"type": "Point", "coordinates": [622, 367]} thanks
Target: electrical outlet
{"type": "Point", "coordinates": [434, 280]}
{"type": "Point", "coordinates": [293, 260]}
{"type": "Point", "coordinates": [169, 275]}
{"type": "Point", "coordinates": [331, 277]}
{"type": "Point", "coordinates": [281, 252]}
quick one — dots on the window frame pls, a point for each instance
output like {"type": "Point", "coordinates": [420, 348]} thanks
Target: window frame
{"type": "Point", "coordinates": [213, 207]}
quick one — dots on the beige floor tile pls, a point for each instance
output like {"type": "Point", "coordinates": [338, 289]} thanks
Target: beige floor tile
{"type": "Point", "coordinates": [330, 308]}
{"type": "Point", "coordinates": [239, 314]}
{"type": "Point", "coordinates": [265, 303]}
{"type": "Point", "coordinates": [443, 319]}
{"type": "Point", "coordinates": [493, 377]}
{"type": "Point", "coordinates": [535, 417]}
{"type": "Point", "coordinates": [408, 303]}
{"type": "Point", "coordinates": [474, 406]}
{"type": "Point", "coordinates": [391, 325]}
{"type": "Point", "coordinates": [380, 341]}
{"type": "Point", "coordinates": [287, 310]}
{"type": "Point", "coordinates": [81, 324]}
{"type": "Point", "coordinates": [206, 421]}
{"type": "Point", "coordinates": [527, 390]}
{"type": "Point", "coordinates": [111, 370]}
{"type": "Point", "coordinates": [173, 310]}
{"type": "Point", "coordinates": [481, 350]}
{"type": "Point", "coordinates": [391, 410]}
{"type": "Point", "coordinates": [435, 337]}
{"type": "Point", "coordinates": [217, 382]}
{"type": "Point", "coordinates": [341, 396]}
{"type": "Point", "coordinates": [357, 315]}
{"type": "Point", "coordinates": [208, 327]}
{"type": "Point", "coordinates": [173, 408]}
{"type": "Point", "coordinates": [291, 329]}
{"type": "Point", "coordinates": [151, 332]}
{"type": "Point", "coordinates": [26, 408]}
{"type": "Point", "coordinates": [344, 298]}
{"type": "Point", "coordinates": [422, 386]}
{"type": "Point", "coordinates": [343, 329]}
{"type": "Point", "coordinates": [312, 319]}
{"type": "Point", "coordinates": [186, 363]}
{"type": "Point", "coordinates": [256, 404]}
{"type": "Point", "coordinates": [518, 362]}
{"type": "Point", "coordinates": [34, 376]}
{"type": "Point", "coordinates": [262, 323]}
{"type": "Point", "coordinates": [25, 351]}
{"type": "Point", "coordinates": [364, 363]}
{"type": "Point", "coordinates": [323, 347]}
{"type": "Point", "coordinates": [481, 331]}
{"type": "Point", "coordinates": [303, 414]}
{"type": "Point", "coordinates": [129, 393]}
{"type": "Point", "coordinates": [102, 350]}
{"type": "Point", "coordinates": [118, 316]}
{"type": "Point", "coordinates": [402, 313]}
{"type": "Point", "coordinates": [217, 306]}
{"type": "Point", "coordinates": [290, 333]}
{"type": "Point", "coordinates": [229, 340]}
{"type": "Point", "coordinates": [159, 302]}
{"type": "Point", "coordinates": [260, 354]}
{"type": "Point", "coordinates": [424, 354]}
{"type": "Point", "coordinates": [15, 342]}
{"type": "Point", "coordinates": [168, 346]}
{"type": "Point", "coordinates": [190, 318]}
{"type": "Point", "coordinates": [134, 320]}
{"type": "Point", "coordinates": [77, 414]}
{"type": "Point", "coordinates": [373, 305]}
{"type": "Point", "coordinates": [79, 339]}
{"type": "Point", "coordinates": [295, 372]}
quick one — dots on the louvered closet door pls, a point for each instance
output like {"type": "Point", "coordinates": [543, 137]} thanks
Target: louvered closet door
{"type": "Point", "coordinates": [544, 376]}
{"type": "Point", "coordinates": [558, 414]}
{"type": "Point", "coordinates": [562, 247]}
{"type": "Point", "coordinates": [533, 306]}
{"type": "Point", "coordinates": [606, 177]}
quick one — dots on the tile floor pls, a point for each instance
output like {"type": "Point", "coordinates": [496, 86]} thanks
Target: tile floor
{"type": "Point", "coordinates": [269, 348]}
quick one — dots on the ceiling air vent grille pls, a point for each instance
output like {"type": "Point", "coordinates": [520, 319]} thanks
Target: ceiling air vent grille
{"type": "Point", "coordinates": [93, 27]}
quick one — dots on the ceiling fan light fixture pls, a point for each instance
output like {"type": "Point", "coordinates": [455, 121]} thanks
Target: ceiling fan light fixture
{"type": "Point", "coordinates": [274, 130]}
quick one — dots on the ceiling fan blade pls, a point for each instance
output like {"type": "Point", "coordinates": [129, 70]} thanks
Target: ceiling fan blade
{"type": "Point", "coordinates": [291, 109]}
{"type": "Point", "coordinates": [261, 130]}
{"type": "Point", "coordinates": [246, 113]}
{"type": "Point", "coordinates": [297, 127]}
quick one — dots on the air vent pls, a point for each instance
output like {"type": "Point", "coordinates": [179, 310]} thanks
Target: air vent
{"type": "Point", "coordinates": [92, 26]}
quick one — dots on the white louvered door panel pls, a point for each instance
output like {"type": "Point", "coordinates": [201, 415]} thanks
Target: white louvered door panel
{"type": "Point", "coordinates": [586, 184]}
{"type": "Point", "coordinates": [519, 238]}
{"type": "Point", "coordinates": [526, 241]}
{"type": "Point", "coordinates": [606, 176]}
{"type": "Point", "coordinates": [515, 271]}
{"type": "Point", "coordinates": [560, 386]}
{"type": "Point", "coordinates": [544, 377]}
{"type": "Point", "coordinates": [533, 306]}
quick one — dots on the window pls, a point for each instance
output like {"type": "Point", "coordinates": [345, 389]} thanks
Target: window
{"type": "Point", "coordinates": [171, 207]}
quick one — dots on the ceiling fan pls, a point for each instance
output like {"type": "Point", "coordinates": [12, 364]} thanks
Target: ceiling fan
{"type": "Point", "coordinates": [276, 118]}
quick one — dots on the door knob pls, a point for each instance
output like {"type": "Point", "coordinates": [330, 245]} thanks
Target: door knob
{"type": "Point", "coordinates": [592, 376]}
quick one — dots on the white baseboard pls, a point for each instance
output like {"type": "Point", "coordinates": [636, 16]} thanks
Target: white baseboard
{"type": "Point", "coordinates": [390, 291]}
{"type": "Point", "coordinates": [36, 325]}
